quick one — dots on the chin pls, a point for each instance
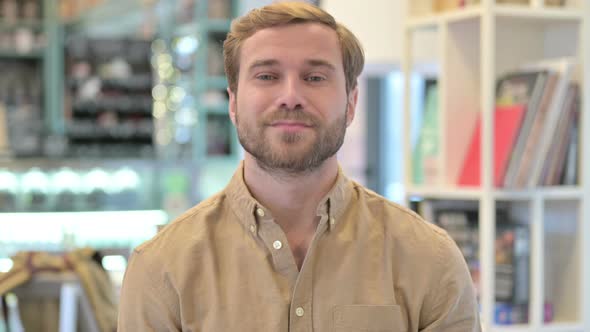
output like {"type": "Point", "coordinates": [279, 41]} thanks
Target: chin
{"type": "Point", "coordinates": [293, 150]}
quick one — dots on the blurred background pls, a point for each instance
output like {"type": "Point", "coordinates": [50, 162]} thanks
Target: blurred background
{"type": "Point", "coordinates": [113, 121]}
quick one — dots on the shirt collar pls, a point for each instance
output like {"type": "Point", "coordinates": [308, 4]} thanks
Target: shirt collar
{"type": "Point", "coordinates": [246, 207]}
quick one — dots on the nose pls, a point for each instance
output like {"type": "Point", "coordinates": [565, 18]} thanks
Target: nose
{"type": "Point", "coordinates": [291, 94]}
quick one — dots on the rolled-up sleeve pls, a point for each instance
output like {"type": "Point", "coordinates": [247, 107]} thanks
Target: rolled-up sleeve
{"type": "Point", "coordinates": [148, 302]}
{"type": "Point", "coordinates": [451, 305]}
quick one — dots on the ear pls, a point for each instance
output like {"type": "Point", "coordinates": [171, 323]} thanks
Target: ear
{"type": "Point", "coordinates": [232, 106]}
{"type": "Point", "coordinates": [351, 106]}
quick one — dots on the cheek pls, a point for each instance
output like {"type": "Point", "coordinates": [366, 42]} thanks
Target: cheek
{"type": "Point", "coordinates": [334, 109]}
{"type": "Point", "coordinates": [251, 102]}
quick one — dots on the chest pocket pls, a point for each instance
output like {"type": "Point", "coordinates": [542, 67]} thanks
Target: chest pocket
{"type": "Point", "coordinates": [368, 318]}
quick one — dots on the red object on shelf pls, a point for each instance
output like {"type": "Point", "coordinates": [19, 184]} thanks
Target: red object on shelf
{"type": "Point", "coordinates": [507, 123]}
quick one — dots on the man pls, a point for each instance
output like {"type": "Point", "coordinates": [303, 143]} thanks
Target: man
{"type": "Point", "coordinates": [291, 244]}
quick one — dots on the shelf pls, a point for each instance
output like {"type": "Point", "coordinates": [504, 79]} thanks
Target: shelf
{"type": "Point", "coordinates": [447, 193]}
{"type": "Point", "coordinates": [206, 85]}
{"type": "Point", "coordinates": [137, 83]}
{"type": "Point", "coordinates": [513, 328]}
{"type": "Point", "coordinates": [450, 193]}
{"type": "Point", "coordinates": [96, 229]}
{"type": "Point", "coordinates": [559, 193]}
{"type": "Point", "coordinates": [12, 54]}
{"type": "Point", "coordinates": [474, 48]}
{"type": "Point", "coordinates": [18, 164]}
{"type": "Point", "coordinates": [432, 21]}
{"type": "Point", "coordinates": [120, 104]}
{"type": "Point", "coordinates": [551, 13]}
{"type": "Point", "coordinates": [138, 217]}
{"type": "Point", "coordinates": [30, 24]}
{"type": "Point", "coordinates": [562, 327]}
{"type": "Point", "coordinates": [105, 138]}
{"type": "Point", "coordinates": [557, 327]}
{"type": "Point", "coordinates": [105, 11]}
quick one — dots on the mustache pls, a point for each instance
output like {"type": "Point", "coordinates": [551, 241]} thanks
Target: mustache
{"type": "Point", "coordinates": [291, 115]}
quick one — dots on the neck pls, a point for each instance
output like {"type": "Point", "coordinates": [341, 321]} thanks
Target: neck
{"type": "Point", "coordinates": [292, 198]}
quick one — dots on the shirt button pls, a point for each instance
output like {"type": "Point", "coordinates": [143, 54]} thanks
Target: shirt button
{"type": "Point", "coordinates": [253, 228]}
{"type": "Point", "coordinates": [299, 312]}
{"type": "Point", "coordinates": [332, 221]}
{"type": "Point", "coordinates": [277, 245]}
{"type": "Point", "coordinates": [260, 212]}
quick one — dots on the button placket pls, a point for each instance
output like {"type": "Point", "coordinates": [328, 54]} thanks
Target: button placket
{"type": "Point", "coordinates": [275, 240]}
{"type": "Point", "coordinates": [301, 302]}
{"type": "Point", "coordinates": [300, 317]}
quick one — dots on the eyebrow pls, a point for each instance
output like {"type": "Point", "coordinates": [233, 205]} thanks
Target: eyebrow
{"type": "Point", "coordinates": [274, 62]}
{"type": "Point", "coordinates": [321, 63]}
{"type": "Point", "coordinates": [263, 63]}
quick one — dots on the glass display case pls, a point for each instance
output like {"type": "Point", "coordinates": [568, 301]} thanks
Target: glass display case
{"type": "Point", "coordinates": [56, 205]}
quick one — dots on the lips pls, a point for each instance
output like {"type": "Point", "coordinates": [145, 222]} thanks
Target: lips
{"type": "Point", "coordinates": [290, 124]}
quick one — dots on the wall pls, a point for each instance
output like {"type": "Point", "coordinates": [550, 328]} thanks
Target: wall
{"type": "Point", "coordinates": [378, 26]}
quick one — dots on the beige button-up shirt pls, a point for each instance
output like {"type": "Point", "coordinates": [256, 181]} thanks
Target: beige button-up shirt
{"type": "Point", "coordinates": [225, 265]}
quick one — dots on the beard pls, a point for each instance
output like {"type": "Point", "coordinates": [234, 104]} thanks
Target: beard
{"type": "Point", "coordinates": [291, 153]}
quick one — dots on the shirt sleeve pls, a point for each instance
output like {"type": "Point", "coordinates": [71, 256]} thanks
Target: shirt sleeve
{"type": "Point", "coordinates": [451, 304]}
{"type": "Point", "coordinates": [148, 302]}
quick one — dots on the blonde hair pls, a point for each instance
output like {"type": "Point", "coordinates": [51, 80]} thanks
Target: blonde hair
{"type": "Point", "coordinates": [284, 13]}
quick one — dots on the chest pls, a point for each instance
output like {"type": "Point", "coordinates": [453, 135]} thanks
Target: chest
{"type": "Point", "coordinates": [337, 288]}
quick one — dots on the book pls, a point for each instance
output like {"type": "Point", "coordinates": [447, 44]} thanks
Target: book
{"type": "Point", "coordinates": [512, 258]}
{"type": "Point", "coordinates": [519, 87]}
{"type": "Point", "coordinates": [510, 314]}
{"type": "Point", "coordinates": [540, 148]}
{"type": "Point", "coordinates": [553, 165]}
{"type": "Point", "coordinates": [570, 173]}
{"type": "Point", "coordinates": [522, 160]}
{"type": "Point", "coordinates": [533, 105]}
{"type": "Point", "coordinates": [425, 158]}
{"type": "Point", "coordinates": [507, 123]}
{"type": "Point", "coordinates": [570, 142]}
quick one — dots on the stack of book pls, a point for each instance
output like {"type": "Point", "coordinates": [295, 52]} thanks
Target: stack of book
{"type": "Point", "coordinates": [535, 129]}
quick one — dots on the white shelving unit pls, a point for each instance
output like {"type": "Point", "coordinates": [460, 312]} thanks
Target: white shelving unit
{"type": "Point", "coordinates": [474, 46]}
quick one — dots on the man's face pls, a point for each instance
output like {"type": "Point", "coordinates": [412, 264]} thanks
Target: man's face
{"type": "Point", "coordinates": [291, 109]}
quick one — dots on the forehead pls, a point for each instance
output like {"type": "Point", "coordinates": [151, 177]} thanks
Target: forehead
{"type": "Point", "coordinates": [294, 42]}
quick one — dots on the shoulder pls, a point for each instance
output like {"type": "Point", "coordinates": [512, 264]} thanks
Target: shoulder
{"type": "Point", "coordinates": [420, 246]}
{"type": "Point", "coordinates": [179, 234]}
{"type": "Point", "coordinates": [400, 224]}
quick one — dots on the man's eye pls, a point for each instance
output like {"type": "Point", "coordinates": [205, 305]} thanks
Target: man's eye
{"type": "Point", "coordinates": [265, 77]}
{"type": "Point", "coordinates": [315, 78]}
